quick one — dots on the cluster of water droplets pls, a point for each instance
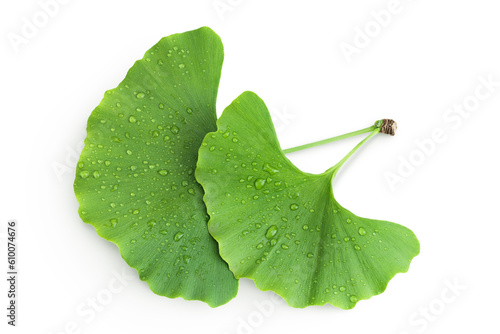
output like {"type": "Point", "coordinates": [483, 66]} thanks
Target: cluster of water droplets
{"type": "Point", "coordinates": [145, 164]}
{"type": "Point", "coordinates": [285, 228]}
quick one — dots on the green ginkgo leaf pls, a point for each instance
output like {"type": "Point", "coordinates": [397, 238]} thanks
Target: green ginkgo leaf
{"type": "Point", "coordinates": [282, 227]}
{"type": "Point", "coordinates": [135, 178]}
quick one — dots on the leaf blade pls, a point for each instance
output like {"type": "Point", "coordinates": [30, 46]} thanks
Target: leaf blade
{"type": "Point", "coordinates": [135, 178]}
{"type": "Point", "coordinates": [282, 227]}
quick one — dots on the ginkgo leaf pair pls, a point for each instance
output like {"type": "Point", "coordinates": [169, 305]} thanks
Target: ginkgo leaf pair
{"type": "Point", "coordinates": [154, 137]}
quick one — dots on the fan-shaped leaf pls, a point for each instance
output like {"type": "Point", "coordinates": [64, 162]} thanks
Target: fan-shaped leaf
{"type": "Point", "coordinates": [135, 179]}
{"type": "Point", "coordinates": [282, 227]}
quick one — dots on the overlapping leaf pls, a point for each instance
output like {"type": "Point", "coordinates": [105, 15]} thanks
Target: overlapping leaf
{"type": "Point", "coordinates": [135, 179]}
{"type": "Point", "coordinates": [282, 227]}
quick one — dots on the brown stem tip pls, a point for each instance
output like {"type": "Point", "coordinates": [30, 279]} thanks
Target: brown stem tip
{"type": "Point", "coordinates": [388, 127]}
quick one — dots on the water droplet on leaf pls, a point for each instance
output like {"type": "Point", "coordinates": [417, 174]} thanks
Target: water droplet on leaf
{"type": "Point", "coordinates": [259, 183]}
{"type": "Point", "coordinates": [178, 236]}
{"type": "Point", "coordinates": [271, 231]}
{"type": "Point", "coordinates": [174, 129]}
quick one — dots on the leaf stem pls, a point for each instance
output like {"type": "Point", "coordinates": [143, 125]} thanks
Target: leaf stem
{"type": "Point", "coordinates": [336, 168]}
{"type": "Point", "coordinates": [329, 140]}
{"type": "Point", "coordinates": [387, 126]}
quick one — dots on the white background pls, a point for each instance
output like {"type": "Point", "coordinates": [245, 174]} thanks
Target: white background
{"type": "Point", "coordinates": [428, 58]}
